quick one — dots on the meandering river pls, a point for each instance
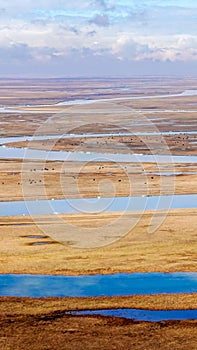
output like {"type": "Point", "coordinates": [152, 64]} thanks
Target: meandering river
{"type": "Point", "coordinates": [98, 285]}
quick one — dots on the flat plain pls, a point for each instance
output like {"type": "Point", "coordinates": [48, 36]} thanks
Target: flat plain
{"type": "Point", "coordinates": [30, 107]}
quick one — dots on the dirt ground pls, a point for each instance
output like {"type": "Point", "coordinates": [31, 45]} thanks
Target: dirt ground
{"type": "Point", "coordinates": [43, 324]}
{"type": "Point", "coordinates": [57, 331]}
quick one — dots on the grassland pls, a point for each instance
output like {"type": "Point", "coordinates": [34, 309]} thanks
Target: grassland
{"type": "Point", "coordinates": [171, 248]}
{"type": "Point", "coordinates": [52, 179]}
{"type": "Point", "coordinates": [43, 323]}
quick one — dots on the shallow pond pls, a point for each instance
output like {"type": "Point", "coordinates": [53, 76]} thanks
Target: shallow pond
{"type": "Point", "coordinates": [142, 315]}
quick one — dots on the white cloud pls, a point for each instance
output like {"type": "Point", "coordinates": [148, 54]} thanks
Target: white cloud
{"type": "Point", "coordinates": [44, 30]}
{"type": "Point", "coordinates": [64, 38]}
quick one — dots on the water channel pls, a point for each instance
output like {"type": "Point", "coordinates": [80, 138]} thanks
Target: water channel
{"type": "Point", "coordinates": [120, 284]}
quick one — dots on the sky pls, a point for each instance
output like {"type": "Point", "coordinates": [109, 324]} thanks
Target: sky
{"type": "Point", "coordinates": [98, 37]}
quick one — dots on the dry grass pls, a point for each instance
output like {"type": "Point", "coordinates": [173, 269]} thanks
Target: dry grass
{"type": "Point", "coordinates": [171, 248]}
{"type": "Point", "coordinates": [177, 144]}
{"type": "Point", "coordinates": [28, 306]}
{"type": "Point", "coordinates": [39, 327]}
{"type": "Point", "coordinates": [30, 180]}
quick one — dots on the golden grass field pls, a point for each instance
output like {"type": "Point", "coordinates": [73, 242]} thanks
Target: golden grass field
{"type": "Point", "coordinates": [50, 179]}
{"type": "Point", "coordinates": [171, 248]}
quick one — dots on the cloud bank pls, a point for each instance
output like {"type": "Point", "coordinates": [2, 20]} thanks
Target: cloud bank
{"type": "Point", "coordinates": [44, 32]}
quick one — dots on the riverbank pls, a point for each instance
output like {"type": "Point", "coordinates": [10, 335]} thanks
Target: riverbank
{"type": "Point", "coordinates": [31, 306]}
{"type": "Point", "coordinates": [176, 144]}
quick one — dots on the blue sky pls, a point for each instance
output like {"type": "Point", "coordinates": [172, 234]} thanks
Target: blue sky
{"type": "Point", "coordinates": [98, 37]}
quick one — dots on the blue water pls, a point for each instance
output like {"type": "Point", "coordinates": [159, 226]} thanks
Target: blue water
{"type": "Point", "coordinates": [142, 315]}
{"type": "Point", "coordinates": [97, 205]}
{"type": "Point", "coordinates": [120, 284]}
